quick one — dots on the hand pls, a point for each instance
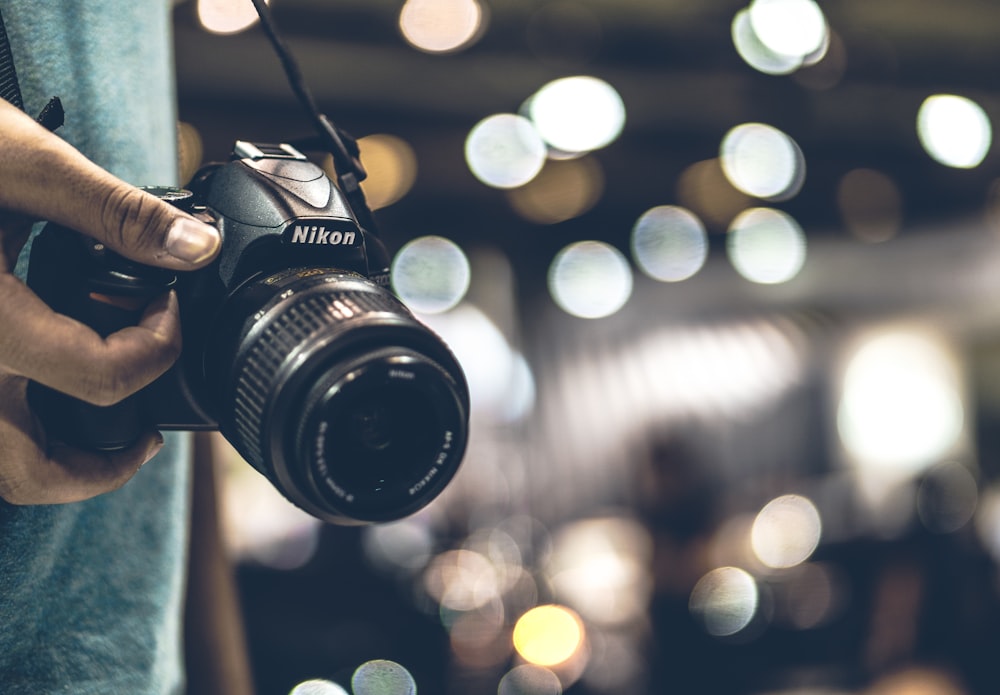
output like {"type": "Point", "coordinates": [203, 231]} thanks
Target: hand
{"type": "Point", "coordinates": [43, 177]}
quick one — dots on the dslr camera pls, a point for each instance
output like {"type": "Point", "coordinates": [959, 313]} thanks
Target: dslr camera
{"type": "Point", "coordinates": [294, 346]}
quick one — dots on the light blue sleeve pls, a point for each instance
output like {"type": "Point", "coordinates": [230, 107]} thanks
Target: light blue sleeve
{"type": "Point", "coordinates": [91, 593]}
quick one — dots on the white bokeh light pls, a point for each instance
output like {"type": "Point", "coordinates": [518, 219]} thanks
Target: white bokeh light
{"type": "Point", "coordinates": [227, 16]}
{"type": "Point", "coordinates": [757, 55]}
{"type": "Point", "coordinates": [901, 405]}
{"type": "Point", "coordinates": [590, 279]}
{"type": "Point", "coordinates": [382, 677]}
{"type": "Point", "coordinates": [500, 380]}
{"type": "Point", "coordinates": [789, 27]}
{"type": "Point", "coordinates": [762, 161]}
{"type": "Point", "coordinates": [954, 130]}
{"type": "Point", "coordinates": [431, 274]}
{"type": "Point", "coordinates": [669, 243]}
{"type": "Point", "coordinates": [577, 114]}
{"type": "Point", "coordinates": [725, 600]}
{"type": "Point", "coordinates": [786, 531]}
{"type": "Point", "coordinates": [318, 687]}
{"type": "Point", "coordinates": [505, 151]}
{"type": "Point", "coordinates": [528, 679]}
{"type": "Point", "coordinates": [441, 26]}
{"type": "Point", "coordinates": [766, 246]}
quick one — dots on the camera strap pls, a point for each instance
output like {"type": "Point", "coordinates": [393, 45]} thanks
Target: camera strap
{"type": "Point", "coordinates": [10, 90]}
{"type": "Point", "coordinates": [52, 116]}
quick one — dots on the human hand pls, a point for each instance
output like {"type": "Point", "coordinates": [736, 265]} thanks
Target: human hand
{"type": "Point", "coordinates": [43, 177]}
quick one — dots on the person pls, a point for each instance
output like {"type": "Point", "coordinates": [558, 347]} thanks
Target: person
{"type": "Point", "coordinates": [92, 546]}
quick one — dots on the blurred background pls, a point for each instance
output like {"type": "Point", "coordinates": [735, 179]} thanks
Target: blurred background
{"type": "Point", "coordinates": [723, 276]}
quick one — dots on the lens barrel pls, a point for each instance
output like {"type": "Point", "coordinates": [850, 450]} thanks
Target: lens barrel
{"type": "Point", "coordinates": [349, 405]}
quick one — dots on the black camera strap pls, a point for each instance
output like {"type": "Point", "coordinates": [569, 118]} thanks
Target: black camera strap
{"type": "Point", "coordinates": [9, 88]}
{"type": "Point", "coordinates": [52, 116]}
{"type": "Point", "coordinates": [341, 146]}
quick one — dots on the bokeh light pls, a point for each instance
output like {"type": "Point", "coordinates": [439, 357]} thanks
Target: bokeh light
{"type": "Point", "coordinates": [564, 189]}
{"type": "Point", "coordinates": [766, 246]}
{"type": "Point", "coordinates": [577, 114]}
{"type": "Point", "coordinates": [794, 28]}
{"type": "Point", "coordinates": [479, 638]}
{"type": "Point", "coordinates": [441, 26]}
{"type": "Point", "coordinates": [382, 677]}
{"type": "Point", "coordinates": [762, 161]}
{"type": "Point", "coordinates": [669, 243]}
{"type": "Point", "coordinates": [947, 497]}
{"type": "Point", "coordinates": [954, 130]}
{"type": "Point", "coordinates": [392, 168]}
{"type": "Point", "coordinates": [501, 383]}
{"type": "Point", "coordinates": [871, 205]}
{"type": "Point", "coordinates": [431, 274]}
{"type": "Point", "coordinates": [811, 595]}
{"type": "Point", "coordinates": [259, 524]}
{"type": "Point", "coordinates": [590, 279]}
{"type": "Point", "coordinates": [901, 405]}
{"type": "Point", "coordinates": [704, 189]}
{"type": "Point", "coordinates": [402, 546]}
{"type": "Point", "coordinates": [461, 580]}
{"type": "Point", "coordinates": [548, 635]}
{"type": "Point", "coordinates": [528, 679]}
{"type": "Point", "coordinates": [755, 53]}
{"type": "Point", "coordinates": [505, 151]}
{"type": "Point", "coordinates": [227, 16]}
{"type": "Point", "coordinates": [725, 600]}
{"type": "Point", "coordinates": [917, 680]}
{"type": "Point", "coordinates": [600, 568]}
{"type": "Point", "coordinates": [827, 71]}
{"type": "Point", "coordinates": [786, 531]}
{"type": "Point", "coordinates": [318, 687]}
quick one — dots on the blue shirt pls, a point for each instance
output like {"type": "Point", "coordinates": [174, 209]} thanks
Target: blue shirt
{"type": "Point", "coordinates": [91, 593]}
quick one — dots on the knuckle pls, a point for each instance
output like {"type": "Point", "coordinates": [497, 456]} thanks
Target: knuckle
{"type": "Point", "coordinates": [127, 214]}
{"type": "Point", "coordinates": [105, 387]}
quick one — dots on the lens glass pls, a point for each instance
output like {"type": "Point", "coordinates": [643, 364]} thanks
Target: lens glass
{"type": "Point", "coordinates": [380, 439]}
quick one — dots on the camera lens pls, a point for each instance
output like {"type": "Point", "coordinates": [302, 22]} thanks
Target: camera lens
{"type": "Point", "coordinates": [351, 407]}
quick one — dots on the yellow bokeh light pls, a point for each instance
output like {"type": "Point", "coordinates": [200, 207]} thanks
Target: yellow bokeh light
{"type": "Point", "coordinates": [392, 168]}
{"type": "Point", "coordinates": [704, 188]}
{"type": "Point", "coordinates": [562, 190]}
{"type": "Point", "coordinates": [548, 635]}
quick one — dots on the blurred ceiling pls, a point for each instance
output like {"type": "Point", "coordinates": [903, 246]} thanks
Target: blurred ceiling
{"type": "Point", "coordinates": [672, 61]}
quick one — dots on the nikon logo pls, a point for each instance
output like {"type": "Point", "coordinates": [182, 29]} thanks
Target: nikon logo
{"type": "Point", "coordinates": [303, 234]}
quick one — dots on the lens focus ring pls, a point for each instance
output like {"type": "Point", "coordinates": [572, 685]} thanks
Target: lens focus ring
{"type": "Point", "coordinates": [299, 322]}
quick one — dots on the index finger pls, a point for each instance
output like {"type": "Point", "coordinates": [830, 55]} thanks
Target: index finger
{"type": "Point", "coordinates": [66, 355]}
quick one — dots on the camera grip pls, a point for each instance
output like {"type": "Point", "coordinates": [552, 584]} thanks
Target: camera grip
{"type": "Point", "coordinates": [81, 424]}
{"type": "Point", "coordinates": [82, 280]}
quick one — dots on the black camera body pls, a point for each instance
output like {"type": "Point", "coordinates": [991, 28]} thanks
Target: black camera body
{"type": "Point", "coordinates": [294, 346]}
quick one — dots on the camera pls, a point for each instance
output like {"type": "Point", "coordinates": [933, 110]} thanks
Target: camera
{"type": "Point", "coordinates": [295, 348]}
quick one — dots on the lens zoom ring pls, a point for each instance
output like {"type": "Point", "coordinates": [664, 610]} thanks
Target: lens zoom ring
{"type": "Point", "coordinates": [295, 324]}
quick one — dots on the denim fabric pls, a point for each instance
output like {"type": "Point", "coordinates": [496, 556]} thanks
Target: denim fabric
{"type": "Point", "coordinates": [91, 593]}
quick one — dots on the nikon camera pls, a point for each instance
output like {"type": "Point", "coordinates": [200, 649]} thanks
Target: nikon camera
{"type": "Point", "coordinates": [294, 346]}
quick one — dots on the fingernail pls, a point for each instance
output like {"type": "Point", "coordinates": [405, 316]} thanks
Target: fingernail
{"type": "Point", "coordinates": [192, 241]}
{"type": "Point", "coordinates": [157, 446]}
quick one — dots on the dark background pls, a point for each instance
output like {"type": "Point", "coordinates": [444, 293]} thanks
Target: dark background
{"type": "Point", "coordinates": [684, 86]}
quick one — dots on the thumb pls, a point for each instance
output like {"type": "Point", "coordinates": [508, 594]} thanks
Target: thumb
{"type": "Point", "coordinates": [44, 177]}
{"type": "Point", "coordinates": [144, 228]}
